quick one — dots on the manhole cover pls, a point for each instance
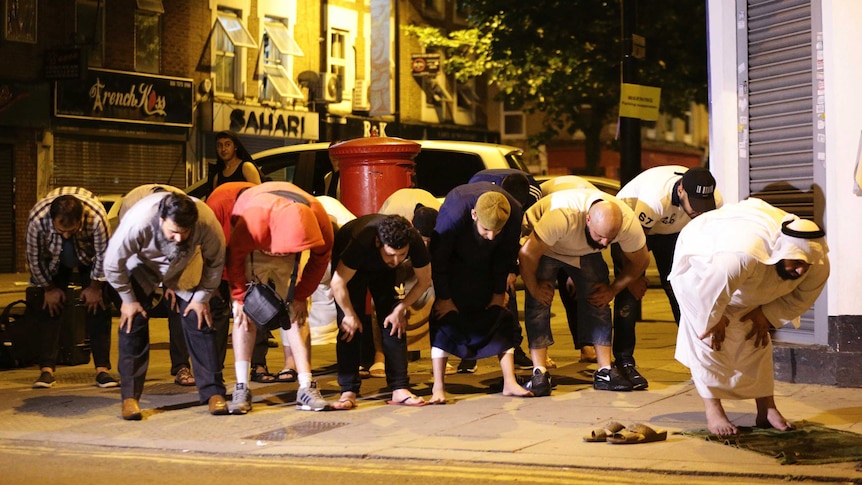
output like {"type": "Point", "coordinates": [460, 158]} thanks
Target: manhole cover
{"type": "Point", "coordinates": [298, 430]}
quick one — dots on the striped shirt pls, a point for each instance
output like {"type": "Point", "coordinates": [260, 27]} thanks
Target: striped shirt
{"type": "Point", "coordinates": [45, 243]}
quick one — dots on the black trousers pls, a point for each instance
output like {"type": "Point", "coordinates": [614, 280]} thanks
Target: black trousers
{"type": "Point", "coordinates": [381, 285]}
{"type": "Point", "coordinates": [98, 323]}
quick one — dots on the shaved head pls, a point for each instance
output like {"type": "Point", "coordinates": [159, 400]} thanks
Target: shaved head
{"type": "Point", "coordinates": [604, 220]}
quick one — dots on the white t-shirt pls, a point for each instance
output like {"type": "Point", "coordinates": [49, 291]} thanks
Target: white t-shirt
{"type": "Point", "coordinates": [403, 202]}
{"type": "Point", "coordinates": [559, 220]}
{"type": "Point", "coordinates": [650, 195]}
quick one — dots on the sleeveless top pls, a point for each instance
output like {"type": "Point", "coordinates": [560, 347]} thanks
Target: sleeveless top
{"type": "Point", "coordinates": [236, 176]}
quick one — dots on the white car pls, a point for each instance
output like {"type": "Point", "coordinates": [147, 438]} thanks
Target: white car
{"type": "Point", "coordinates": [440, 165]}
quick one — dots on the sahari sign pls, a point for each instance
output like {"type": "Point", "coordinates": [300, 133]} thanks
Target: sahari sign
{"type": "Point", "coordinates": [265, 121]}
{"type": "Point", "coordinates": [126, 97]}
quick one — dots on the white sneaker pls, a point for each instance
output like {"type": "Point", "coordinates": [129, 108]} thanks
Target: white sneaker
{"type": "Point", "coordinates": [309, 398]}
{"type": "Point", "coordinates": [241, 401]}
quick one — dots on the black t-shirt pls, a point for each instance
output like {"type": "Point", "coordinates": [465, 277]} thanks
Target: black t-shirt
{"type": "Point", "coordinates": [355, 246]}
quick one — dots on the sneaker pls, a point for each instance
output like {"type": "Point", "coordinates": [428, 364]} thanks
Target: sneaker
{"type": "Point", "coordinates": [610, 380]}
{"type": "Point", "coordinates": [539, 383]}
{"type": "Point", "coordinates": [45, 381]}
{"type": "Point", "coordinates": [467, 366]}
{"type": "Point", "coordinates": [450, 370]}
{"type": "Point", "coordinates": [240, 403]}
{"type": "Point", "coordinates": [638, 381]}
{"type": "Point", "coordinates": [309, 398]}
{"type": "Point", "coordinates": [522, 360]}
{"type": "Point", "coordinates": [104, 380]}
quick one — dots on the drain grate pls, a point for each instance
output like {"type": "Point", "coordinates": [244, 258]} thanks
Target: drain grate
{"type": "Point", "coordinates": [298, 430]}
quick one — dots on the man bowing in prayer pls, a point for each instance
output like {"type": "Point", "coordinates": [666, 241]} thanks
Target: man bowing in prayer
{"type": "Point", "coordinates": [737, 271]}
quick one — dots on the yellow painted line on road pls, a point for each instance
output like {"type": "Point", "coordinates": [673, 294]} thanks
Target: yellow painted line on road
{"type": "Point", "coordinates": [485, 472]}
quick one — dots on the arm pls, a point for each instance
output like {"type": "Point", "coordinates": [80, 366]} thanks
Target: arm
{"type": "Point", "coordinates": [789, 307]}
{"type": "Point", "coordinates": [241, 245]}
{"type": "Point", "coordinates": [250, 173]}
{"type": "Point", "coordinates": [633, 267]}
{"type": "Point", "coordinates": [530, 254]}
{"type": "Point", "coordinates": [398, 317]}
{"type": "Point", "coordinates": [351, 323]}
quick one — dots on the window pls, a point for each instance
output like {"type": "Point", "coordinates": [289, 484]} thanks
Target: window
{"type": "Point", "coordinates": [514, 121]}
{"type": "Point", "coordinates": [230, 36]}
{"type": "Point", "coordinates": [89, 28]}
{"type": "Point", "coordinates": [148, 36]}
{"type": "Point", "coordinates": [439, 171]}
{"type": "Point", "coordinates": [338, 55]}
{"type": "Point", "coordinates": [278, 49]}
{"type": "Point", "coordinates": [467, 97]}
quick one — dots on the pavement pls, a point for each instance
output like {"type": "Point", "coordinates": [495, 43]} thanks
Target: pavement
{"type": "Point", "coordinates": [478, 425]}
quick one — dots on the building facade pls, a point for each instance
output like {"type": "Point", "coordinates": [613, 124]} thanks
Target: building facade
{"type": "Point", "coordinates": [111, 94]}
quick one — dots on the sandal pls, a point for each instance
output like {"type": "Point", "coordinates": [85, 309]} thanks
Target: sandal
{"type": "Point", "coordinates": [377, 370]}
{"type": "Point", "coordinates": [600, 435]}
{"type": "Point", "coordinates": [263, 377]}
{"type": "Point", "coordinates": [287, 375]}
{"type": "Point", "coordinates": [637, 433]}
{"type": "Point", "coordinates": [344, 403]}
{"type": "Point", "coordinates": [184, 377]}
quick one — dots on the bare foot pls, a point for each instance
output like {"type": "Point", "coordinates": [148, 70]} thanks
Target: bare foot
{"type": "Point", "coordinates": [438, 396]}
{"type": "Point", "coordinates": [773, 419]}
{"type": "Point", "coordinates": [716, 419]}
{"type": "Point", "coordinates": [514, 389]}
{"type": "Point", "coordinates": [346, 402]}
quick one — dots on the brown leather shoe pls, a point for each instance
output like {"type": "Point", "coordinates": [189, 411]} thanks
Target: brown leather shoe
{"type": "Point", "coordinates": [218, 406]}
{"type": "Point", "coordinates": [131, 410]}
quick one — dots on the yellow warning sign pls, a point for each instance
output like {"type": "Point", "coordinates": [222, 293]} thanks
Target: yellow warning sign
{"type": "Point", "coordinates": [640, 102]}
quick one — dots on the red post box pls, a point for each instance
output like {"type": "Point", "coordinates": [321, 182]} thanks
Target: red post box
{"type": "Point", "coordinates": [372, 169]}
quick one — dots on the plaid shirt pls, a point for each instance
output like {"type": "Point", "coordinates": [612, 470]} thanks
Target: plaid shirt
{"type": "Point", "coordinates": [44, 243]}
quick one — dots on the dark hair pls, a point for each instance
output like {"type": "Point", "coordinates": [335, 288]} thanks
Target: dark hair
{"type": "Point", "coordinates": [518, 186]}
{"type": "Point", "coordinates": [395, 231]}
{"type": "Point", "coordinates": [67, 210]}
{"type": "Point", "coordinates": [179, 208]}
{"type": "Point", "coordinates": [241, 152]}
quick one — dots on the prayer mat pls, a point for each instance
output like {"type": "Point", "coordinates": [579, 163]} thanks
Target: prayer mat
{"type": "Point", "coordinates": [808, 444]}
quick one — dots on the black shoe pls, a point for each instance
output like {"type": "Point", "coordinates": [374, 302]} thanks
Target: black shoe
{"type": "Point", "coordinates": [610, 380]}
{"type": "Point", "coordinates": [638, 381]}
{"type": "Point", "coordinates": [539, 383]}
{"type": "Point", "coordinates": [45, 381]}
{"type": "Point", "coordinates": [522, 361]}
{"type": "Point", "coordinates": [104, 380]}
{"type": "Point", "coordinates": [467, 366]}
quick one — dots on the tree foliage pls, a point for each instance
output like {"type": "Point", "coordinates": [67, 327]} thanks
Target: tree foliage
{"type": "Point", "coordinates": [562, 58]}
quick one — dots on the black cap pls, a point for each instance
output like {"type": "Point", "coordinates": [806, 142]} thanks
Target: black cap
{"type": "Point", "coordinates": [699, 184]}
{"type": "Point", "coordinates": [424, 219]}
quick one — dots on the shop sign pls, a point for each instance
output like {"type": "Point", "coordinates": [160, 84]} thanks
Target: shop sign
{"type": "Point", "coordinates": [126, 97]}
{"type": "Point", "coordinates": [425, 65]}
{"type": "Point", "coordinates": [265, 121]}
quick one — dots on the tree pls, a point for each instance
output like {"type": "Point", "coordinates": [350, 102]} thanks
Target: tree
{"type": "Point", "coordinates": [562, 58]}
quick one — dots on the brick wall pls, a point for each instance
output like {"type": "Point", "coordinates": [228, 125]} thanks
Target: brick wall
{"type": "Point", "coordinates": [24, 158]}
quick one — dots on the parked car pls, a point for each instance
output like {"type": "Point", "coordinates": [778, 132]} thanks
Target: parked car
{"type": "Point", "coordinates": [112, 203]}
{"type": "Point", "coordinates": [440, 165]}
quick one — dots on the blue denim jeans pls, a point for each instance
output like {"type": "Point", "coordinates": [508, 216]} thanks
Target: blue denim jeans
{"type": "Point", "coordinates": [594, 323]}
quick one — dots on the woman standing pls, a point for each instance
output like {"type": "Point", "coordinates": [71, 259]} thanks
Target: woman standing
{"type": "Point", "coordinates": [234, 162]}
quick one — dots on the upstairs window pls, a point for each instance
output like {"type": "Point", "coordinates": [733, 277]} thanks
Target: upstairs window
{"type": "Point", "coordinates": [90, 30]}
{"type": "Point", "coordinates": [278, 51]}
{"type": "Point", "coordinates": [230, 36]}
{"type": "Point", "coordinates": [338, 55]}
{"type": "Point", "coordinates": [148, 36]}
{"type": "Point", "coordinates": [514, 121]}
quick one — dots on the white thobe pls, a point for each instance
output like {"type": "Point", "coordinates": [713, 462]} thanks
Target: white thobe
{"type": "Point", "coordinates": [724, 266]}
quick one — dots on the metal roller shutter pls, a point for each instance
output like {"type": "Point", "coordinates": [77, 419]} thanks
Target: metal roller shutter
{"type": "Point", "coordinates": [116, 165]}
{"type": "Point", "coordinates": [7, 210]}
{"type": "Point", "coordinates": [783, 137]}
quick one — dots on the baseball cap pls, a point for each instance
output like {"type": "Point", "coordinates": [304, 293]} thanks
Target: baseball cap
{"type": "Point", "coordinates": [492, 210]}
{"type": "Point", "coordinates": [699, 184]}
